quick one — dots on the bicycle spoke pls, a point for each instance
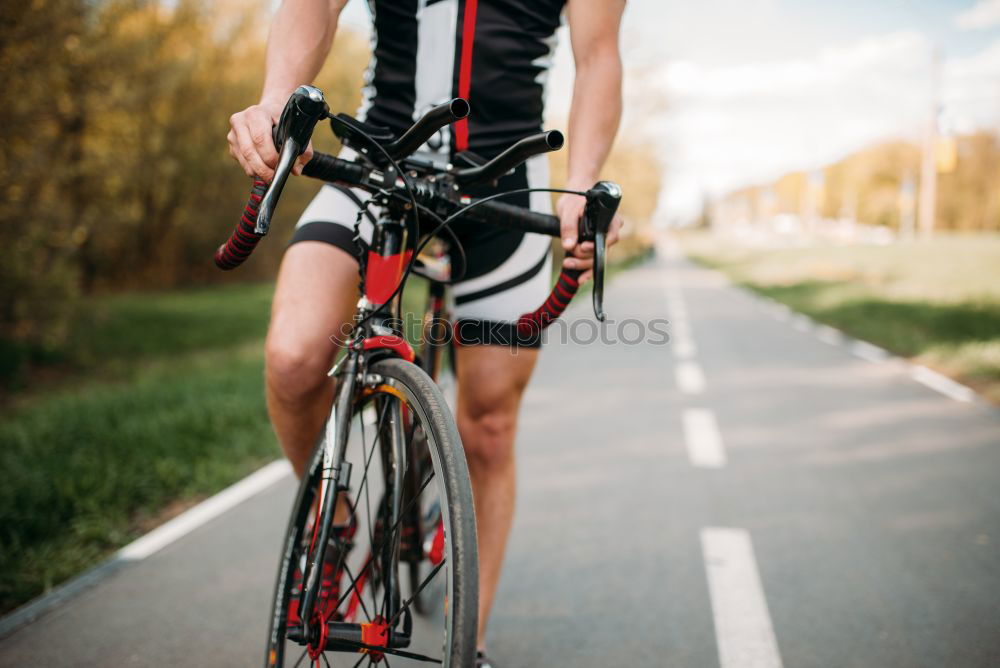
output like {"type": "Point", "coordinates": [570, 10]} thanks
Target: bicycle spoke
{"type": "Point", "coordinates": [364, 479]}
{"type": "Point", "coordinates": [354, 585]}
{"type": "Point", "coordinates": [378, 516]}
{"type": "Point", "coordinates": [415, 498]}
{"type": "Point", "coordinates": [409, 601]}
{"type": "Point", "coordinates": [301, 656]}
{"type": "Point", "coordinates": [366, 486]}
{"type": "Point", "coordinates": [382, 505]}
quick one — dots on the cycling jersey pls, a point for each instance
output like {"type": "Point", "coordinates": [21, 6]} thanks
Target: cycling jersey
{"type": "Point", "coordinates": [496, 54]}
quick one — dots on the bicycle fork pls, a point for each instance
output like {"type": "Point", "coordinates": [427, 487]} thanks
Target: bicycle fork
{"type": "Point", "coordinates": [334, 478]}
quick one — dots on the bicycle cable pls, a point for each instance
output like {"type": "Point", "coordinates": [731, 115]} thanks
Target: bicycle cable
{"type": "Point", "coordinates": [445, 223]}
{"type": "Point", "coordinates": [409, 192]}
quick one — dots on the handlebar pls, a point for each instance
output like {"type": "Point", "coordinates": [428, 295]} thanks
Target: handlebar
{"type": "Point", "coordinates": [429, 123]}
{"type": "Point", "coordinates": [291, 135]}
{"type": "Point", "coordinates": [439, 192]}
{"type": "Point", "coordinates": [529, 146]}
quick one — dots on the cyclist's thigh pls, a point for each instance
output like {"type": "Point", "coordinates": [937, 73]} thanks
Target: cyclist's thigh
{"type": "Point", "coordinates": [317, 286]}
{"type": "Point", "coordinates": [491, 380]}
{"type": "Point", "coordinates": [510, 273]}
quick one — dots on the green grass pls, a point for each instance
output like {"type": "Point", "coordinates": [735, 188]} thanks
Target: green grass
{"type": "Point", "coordinates": [157, 401]}
{"type": "Point", "coordinates": [119, 331]}
{"type": "Point", "coordinates": [86, 471]}
{"type": "Point", "coordinates": [112, 336]}
{"type": "Point", "coordinates": [936, 302]}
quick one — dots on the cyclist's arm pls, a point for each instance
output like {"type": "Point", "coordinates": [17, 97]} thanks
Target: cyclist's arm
{"type": "Point", "coordinates": [594, 113]}
{"type": "Point", "coordinates": [300, 39]}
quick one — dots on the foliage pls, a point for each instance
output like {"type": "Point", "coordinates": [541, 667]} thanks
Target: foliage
{"type": "Point", "coordinates": [88, 472]}
{"type": "Point", "coordinates": [868, 185]}
{"type": "Point", "coordinates": [113, 158]}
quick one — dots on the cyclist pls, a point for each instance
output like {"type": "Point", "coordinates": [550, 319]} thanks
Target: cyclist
{"type": "Point", "coordinates": [496, 54]}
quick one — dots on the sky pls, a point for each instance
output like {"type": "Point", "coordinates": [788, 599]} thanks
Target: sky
{"type": "Point", "coordinates": [736, 92]}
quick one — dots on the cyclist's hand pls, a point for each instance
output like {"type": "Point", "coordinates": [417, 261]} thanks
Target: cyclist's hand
{"type": "Point", "coordinates": [569, 209]}
{"type": "Point", "coordinates": [250, 141]}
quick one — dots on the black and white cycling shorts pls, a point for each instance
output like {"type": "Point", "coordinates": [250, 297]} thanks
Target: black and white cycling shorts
{"type": "Point", "coordinates": [508, 272]}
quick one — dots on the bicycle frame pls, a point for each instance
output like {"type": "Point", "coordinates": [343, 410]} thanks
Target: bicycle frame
{"type": "Point", "coordinates": [386, 260]}
{"type": "Point", "coordinates": [386, 263]}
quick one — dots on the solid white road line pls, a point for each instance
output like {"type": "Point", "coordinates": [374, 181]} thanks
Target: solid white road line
{"type": "Point", "coordinates": [868, 352]}
{"type": "Point", "coordinates": [942, 384]}
{"type": "Point", "coordinates": [703, 440]}
{"type": "Point", "coordinates": [689, 377]}
{"type": "Point", "coordinates": [205, 511]}
{"type": "Point", "coordinates": [743, 628]}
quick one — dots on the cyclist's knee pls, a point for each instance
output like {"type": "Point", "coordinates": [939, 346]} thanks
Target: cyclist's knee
{"type": "Point", "coordinates": [488, 434]}
{"type": "Point", "coordinates": [294, 368]}
{"type": "Point", "coordinates": [490, 384]}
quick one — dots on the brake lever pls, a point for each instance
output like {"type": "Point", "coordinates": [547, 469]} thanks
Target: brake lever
{"type": "Point", "coordinates": [602, 203]}
{"type": "Point", "coordinates": [306, 107]}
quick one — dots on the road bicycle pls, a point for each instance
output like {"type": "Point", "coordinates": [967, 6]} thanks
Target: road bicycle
{"type": "Point", "coordinates": [379, 560]}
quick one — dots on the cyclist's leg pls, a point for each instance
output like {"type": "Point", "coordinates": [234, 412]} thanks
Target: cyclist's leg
{"type": "Point", "coordinates": [313, 302]}
{"type": "Point", "coordinates": [491, 381]}
{"type": "Point", "coordinates": [493, 368]}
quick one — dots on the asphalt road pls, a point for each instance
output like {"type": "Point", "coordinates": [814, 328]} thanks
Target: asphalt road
{"type": "Point", "coordinates": [754, 494]}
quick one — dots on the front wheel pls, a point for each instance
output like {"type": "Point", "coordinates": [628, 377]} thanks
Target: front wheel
{"type": "Point", "coordinates": [365, 611]}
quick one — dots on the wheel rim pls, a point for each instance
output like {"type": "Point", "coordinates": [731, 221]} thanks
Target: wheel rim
{"type": "Point", "coordinates": [366, 597]}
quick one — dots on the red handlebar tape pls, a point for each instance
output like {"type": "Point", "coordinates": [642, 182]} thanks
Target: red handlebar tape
{"type": "Point", "coordinates": [243, 239]}
{"type": "Point", "coordinates": [567, 285]}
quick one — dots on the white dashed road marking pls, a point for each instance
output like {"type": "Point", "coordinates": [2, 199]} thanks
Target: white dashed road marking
{"type": "Point", "coordinates": [689, 376]}
{"type": "Point", "coordinates": [703, 440]}
{"type": "Point", "coordinates": [743, 629]}
{"type": "Point", "coordinates": [942, 384]}
{"type": "Point", "coordinates": [829, 335]}
{"type": "Point", "coordinates": [868, 352]}
{"type": "Point", "coordinates": [801, 323]}
{"type": "Point", "coordinates": [681, 339]}
{"type": "Point", "coordinates": [683, 346]}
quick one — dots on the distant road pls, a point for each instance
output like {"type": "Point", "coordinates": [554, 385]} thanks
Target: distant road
{"type": "Point", "coordinates": [759, 493]}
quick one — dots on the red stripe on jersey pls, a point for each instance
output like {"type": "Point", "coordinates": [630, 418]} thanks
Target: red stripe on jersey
{"type": "Point", "coordinates": [465, 71]}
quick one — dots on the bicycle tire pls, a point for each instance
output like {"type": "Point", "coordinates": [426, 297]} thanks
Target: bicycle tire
{"type": "Point", "coordinates": [430, 359]}
{"type": "Point", "coordinates": [451, 480]}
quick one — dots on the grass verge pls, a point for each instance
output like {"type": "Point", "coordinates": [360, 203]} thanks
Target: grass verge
{"type": "Point", "coordinates": [155, 402]}
{"type": "Point", "coordinates": [936, 302]}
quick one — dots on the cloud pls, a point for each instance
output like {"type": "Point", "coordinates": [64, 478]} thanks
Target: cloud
{"type": "Point", "coordinates": [970, 90]}
{"type": "Point", "coordinates": [730, 125]}
{"type": "Point", "coordinates": [984, 14]}
{"type": "Point", "coordinates": [733, 125]}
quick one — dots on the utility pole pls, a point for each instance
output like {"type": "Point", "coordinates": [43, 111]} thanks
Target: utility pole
{"type": "Point", "coordinates": [906, 207]}
{"type": "Point", "coordinates": [928, 163]}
